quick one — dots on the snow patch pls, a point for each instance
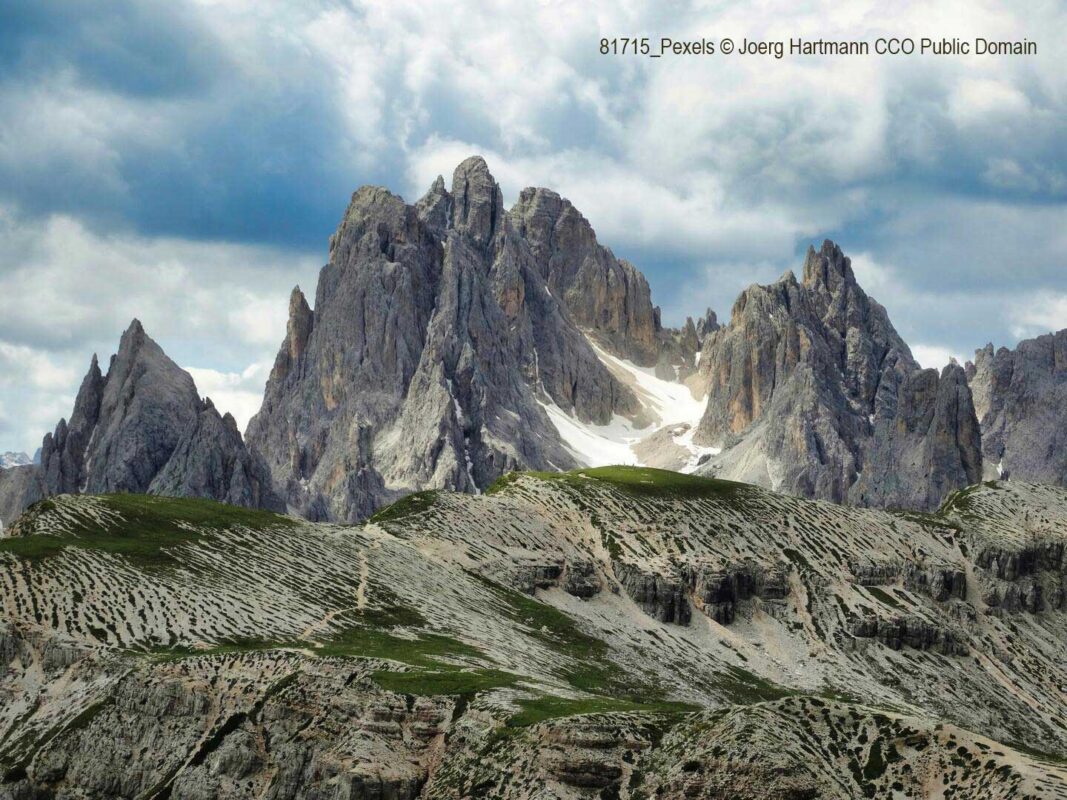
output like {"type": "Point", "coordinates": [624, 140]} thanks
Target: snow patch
{"type": "Point", "coordinates": [696, 451]}
{"type": "Point", "coordinates": [595, 445]}
{"type": "Point", "coordinates": [670, 403]}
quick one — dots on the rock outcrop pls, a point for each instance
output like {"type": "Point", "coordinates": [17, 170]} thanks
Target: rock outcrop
{"type": "Point", "coordinates": [440, 651]}
{"type": "Point", "coordinates": [811, 391]}
{"type": "Point", "coordinates": [719, 591]}
{"type": "Point", "coordinates": [19, 487]}
{"type": "Point", "coordinates": [438, 332]}
{"type": "Point", "coordinates": [663, 596]}
{"type": "Point", "coordinates": [1020, 396]}
{"type": "Point", "coordinates": [605, 295]}
{"type": "Point", "coordinates": [143, 428]}
{"type": "Point", "coordinates": [928, 448]}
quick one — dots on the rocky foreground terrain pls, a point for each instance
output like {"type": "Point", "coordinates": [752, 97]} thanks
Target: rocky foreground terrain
{"type": "Point", "coordinates": [621, 632]}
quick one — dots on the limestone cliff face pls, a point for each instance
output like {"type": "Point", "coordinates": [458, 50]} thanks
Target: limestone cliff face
{"type": "Point", "coordinates": [125, 426]}
{"type": "Point", "coordinates": [811, 391]}
{"type": "Point", "coordinates": [1021, 399]}
{"type": "Point", "coordinates": [930, 447]}
{"type": "Point", "coordinates": [603, 294]}
{"type": "Point", "coordinates": [435, 337]}
{"type": "Point", "coordinates": [142, 427]}
{"type": "Point", "coordinates": [19, 487]}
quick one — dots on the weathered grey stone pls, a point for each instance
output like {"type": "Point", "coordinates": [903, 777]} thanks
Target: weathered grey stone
{"type": "Point", "coordinates": [662, 596]}
{"type": "Point", "coordinates": [19, 488]}
{"type": "Point", "coordinates": [580, 579]}
{"type": "Point", "coordinates": [707, 325]}
{"type": "Point", "coordinates": [211, 461]}
{"type": "Point", "coordinates": [811, 391]}
{"type": "Point", "coordinates": [928, 448]}
{"type": "Point", "coordinates": [1020, 396]}
{"type": "Point", "coordinates": [434, 340]}
{"type": "Point", "coordinates": [718, 591]}
{"type": "Point", "coordinates": [605, 295]}
{"type": "Point", "coordinates": [913, 632]}
{"type": "Point", "coordinates": [941, 583]}
{"type": "Point", "coordinates": [144, 428]}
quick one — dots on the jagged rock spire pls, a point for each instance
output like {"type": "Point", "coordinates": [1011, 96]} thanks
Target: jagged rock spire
{"type": "Point", "coordinates": [435, 207]}
{"type": "Point", "coordinates": [478, 205]}
{"type": "Point", "coordinates": [1021, 399]}
{"type": "Point", "coordinates": [820, 396]}
{"type": "Point", "coordinates": [436, 337]}
{"type": "Point", "coordinates": [144, 428]}
{"type": "Point", "coordinates": [827, 268]}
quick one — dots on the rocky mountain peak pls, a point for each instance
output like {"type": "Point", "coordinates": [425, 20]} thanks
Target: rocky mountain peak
{"type": "Point", "coordinates": [435, 207]}
{"type": "Point", "coordinates": [134, 332]}
{"type": "Point", "coordinates": [827, 268]}
{"type": "Point", "coordinates": [603, 294]}
{"type": "Point", "coordinates": [1020, 396]}
{"type": "Point", "coordinates": [706, 325]}
{"type": "Point", "coordinates": [478, 205]}
{"type": "Point", "coordinates": [439, 333]}
{"type": "Point", "coordinates": [812, 391]}
{"type": "Point", "coordinates": [142, 427]}
{"type": "Point", "coordinates": [297, 332]}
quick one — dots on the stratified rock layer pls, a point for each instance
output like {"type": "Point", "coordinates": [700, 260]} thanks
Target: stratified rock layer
{"type": "Point", "coordinates": [742, 644]}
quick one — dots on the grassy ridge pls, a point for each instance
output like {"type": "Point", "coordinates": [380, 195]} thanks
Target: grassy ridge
{"type": "Point", "coordinates": [148, 526]}
{"type": "Point", "coordinates": [637, 481]}
{"type": "Point", "coordinates": [406, 506]}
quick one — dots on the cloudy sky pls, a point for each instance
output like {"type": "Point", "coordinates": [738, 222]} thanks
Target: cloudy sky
{"type": "Point", "coordinates": [185, 162]}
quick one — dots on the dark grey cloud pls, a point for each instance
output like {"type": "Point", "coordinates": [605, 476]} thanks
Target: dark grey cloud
{"type": "Point", "coordinates": [138, 116]}
{"type": "Point", "coordinates": [141, 49]}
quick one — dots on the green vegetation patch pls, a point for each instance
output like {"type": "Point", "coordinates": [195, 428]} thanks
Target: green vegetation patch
{"type": "Point", "coordinates": [961, 502]}
{"type": "Point", "coordinates": [637, 481]}
{"type": "Point", "coordinates": [389, 611]}
{"type": "Point", "coordinates": [148, 527]}
{"type": "Point", "coordinates": [744, 687]}
{"type": "Point", "coordinates": [233, 646]}
{"type": "Point", "coordinates": [425, 682]}
{"type": "Point", "coordinates": [424, 650]}
{"type": "Point", "coordinates": [408, 506]}
{"type": "Point", "coordinates": [539, 709]}
{"type": "Point", "coordinates": [937, 520]}
{"type": "Point", "coordinates": [885, 597]}
{"type": "Point", "coordinates": [591, 670]}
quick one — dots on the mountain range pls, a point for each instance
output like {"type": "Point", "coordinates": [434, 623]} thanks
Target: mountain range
{"type": "Point", "coordinates": [496, 532]}
{"type": "Point", "coordinates": [453, 341]}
